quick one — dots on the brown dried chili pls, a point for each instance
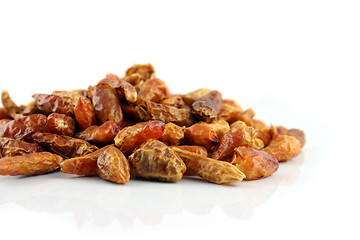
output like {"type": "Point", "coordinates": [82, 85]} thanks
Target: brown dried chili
{"type": "Point", "coordinates": [23, 128]}
{"type": "Point", "coordinates": [133, 126]}
{"type": "Point", "coordinates": [106, 103]}
{"type": "Point", "coordinates": [284, 148]}
{"type": "Point", "coordinates": [112, 165]}
{"type": "Point", "coordinates": [154, 90]}
{"type": "Point", "coordinates": [173, 134]}
{"type": "Point", "coordinates": [10, 147]}
{"type": "Point", "coordinates": [207, 107]}
{"type": "Point", "coordinates": [85, 165]}
{"type": "Point", "coordinates": [253, 163]}
{"type": "Point", "coordinates": [84, 113]}
{"type": "Point", "coordinates": [209, 169]}
{"type": "Point", "coordinates": [230, 111]}
{"type": "Point", "coordinates": [155, 160]}
{"type": "Point", "coordinates": [175, 100]}
{"type": "Point", "coordinates": [131, 137]}
{"type": "Point", "coordinates": [238, 135]}
{"type": "Point", "coordinates": [65, 146]}
{"type": "Point", "coordinates": [103, 134]}
{"type": "Point", "coordinates": [126, 91]}
{"type": "Point", "coordinates": [30, 164]}
{"type": "Point", "coordinates": [191, 148]}
{"type": "Point", "coordinates": [201, 135]}
{"type": "Point", "coordinates": [145, 71]}
{"type": "Point", "coordinates": [247, 116]}
{"type": "Point", "coordinates": [191, 97]}
{"type": "Point", "coordinates": [148, 110]}
{"type": "Point", "coordinates": [60, 124]}
{"type": "Point", "coordinates": [220, 126]}
{"type": "Point", "coordinates": [50, 103]}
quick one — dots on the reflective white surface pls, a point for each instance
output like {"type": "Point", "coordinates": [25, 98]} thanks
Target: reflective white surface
{"type": "Point", "coordinates": [91, 201]}
{"type": "Point", "coordinates": [296, 63]}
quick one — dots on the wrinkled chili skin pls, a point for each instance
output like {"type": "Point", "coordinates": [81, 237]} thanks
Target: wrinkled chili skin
{"type": "Point", "coordinates": [155, 111]}
{"type": "Point", "coordinates": [253, 163]}
{"type": "Point", "coordinates": [60, 124]}
{"type": "Point", "coordinates": [113, 79]}
{"type": "Point", "coordinates": [259, 125]}
{"type": "Point", "coordinates": [220, 126]}
{"type": "Point", "coordinates": [65, 146]}
{"type": "Point", "coordinates": [201, 135]}
{"type": "Point", "coordinates": [238, 135]}
{"type": "Point", "coordinates": [85, 165]}
{"type": "Point", "coordinates": [230, 111]}
{"type": "Point", "coordinates": [154, 90]}
{"type": "Point", "coordinates": [23, 128]}
{"type": "Point", "coordinates": [284, 147]}
{"type": "Point", "coordinates": [154, 160]}
{"type": "Point", "coordinates": [30, 164]}
{"type": "Point", "coordinates": [113, 166]}
{"type": "Point", "coordinates": [50, 103]}
{"type": "Point", "coordinates": [126, 91]}
{"type": "Point", "coordinates": [145, 71]}
{"type": "Point", "coordinates": [209, 169]}
{"type": "Point", "coordinates": [29, 110]}
{"type": "Point", "coordinates": [207, 107]}
{"type": "Point", "coordinates": [103, 134]}
{"type": "Point", "coordinates": [173, 134]}
{"type": "Point", "coordinates": [106, 104]}
{"type": "Point", "coordinates": [193, 96]}
{"type": "Point", "coordinates": [131, 137]}
{"type": "Point", "coordinates": [10, 147]}
{"type": "Point", "coordinates": [194, 149]}
{"type": "Point", "coordinates": [134, 79]}
{"type": "Point", "coordinates": [264, 135]}
{"type": "Point", "coordinates": [127, 136]}
{"type": "Point", "coordinates": [84, 113]}
{"type": "Point", "coordinates": [73, 95]}
{"type": "Point", "coordinates": [247, 116]}
{"type": "Point", "coordinates": [175, 100]}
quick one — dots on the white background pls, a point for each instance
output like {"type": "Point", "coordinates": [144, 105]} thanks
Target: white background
{"type": "Point", "coordinates": [296, 63]}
